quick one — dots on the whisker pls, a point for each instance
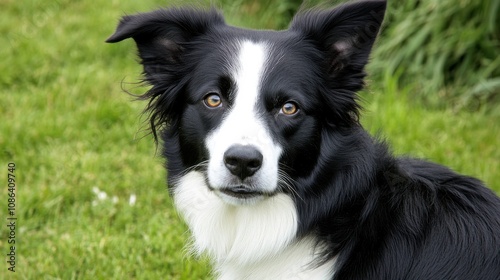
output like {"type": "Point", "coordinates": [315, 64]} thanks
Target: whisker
{"type": "Point", "coordinates": [203, 164]}
{"type": "Point", "coordinates": [286, 181]}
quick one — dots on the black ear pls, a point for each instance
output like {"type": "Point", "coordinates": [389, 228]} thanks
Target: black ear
{"type": "Point", "coordinates": [345, 33]}
{"type": "Point", "coordinates": [161, 35]}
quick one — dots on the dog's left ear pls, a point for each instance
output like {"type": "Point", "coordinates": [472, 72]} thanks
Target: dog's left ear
{"type": "Point", "coordinates": [345, 33]}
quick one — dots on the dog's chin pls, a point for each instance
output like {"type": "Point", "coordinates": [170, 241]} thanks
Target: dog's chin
{"type": "Point", "coordinates": [240, 195]}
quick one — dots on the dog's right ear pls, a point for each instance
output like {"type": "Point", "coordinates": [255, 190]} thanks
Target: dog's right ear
{"type": "Point", "coordinates": [161, 35]}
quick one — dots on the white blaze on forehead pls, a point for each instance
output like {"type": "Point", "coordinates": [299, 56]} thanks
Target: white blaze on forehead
{"type": "Point", "coordinates": [243, 124]}
{"type": "Point", "coordinates": [249, 74]}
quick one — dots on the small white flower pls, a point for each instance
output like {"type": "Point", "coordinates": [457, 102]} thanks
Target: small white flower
{"type": "Point", "coordinates": [132, 199]}
{"type": "Point", "coordinates": [102, 195]}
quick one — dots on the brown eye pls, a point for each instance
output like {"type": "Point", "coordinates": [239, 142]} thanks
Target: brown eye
{"type": "Point", "coordinates": [289, 108]}
{"type": "Point", "coordinates": [213, 100]}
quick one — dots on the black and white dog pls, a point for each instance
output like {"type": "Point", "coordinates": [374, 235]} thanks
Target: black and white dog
{"type": "Point", "coordinates": [271, 169]}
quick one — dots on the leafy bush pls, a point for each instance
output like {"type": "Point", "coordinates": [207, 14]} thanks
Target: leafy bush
{"type": "Point", "coordinates": [446, 50]}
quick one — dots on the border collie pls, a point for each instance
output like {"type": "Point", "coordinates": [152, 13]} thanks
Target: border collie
{"type": "Point", "coordinates": [271, 169]}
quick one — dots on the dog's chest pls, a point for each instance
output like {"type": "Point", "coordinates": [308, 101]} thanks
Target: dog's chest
{"type": "Point", "coordinates": [248, 242]}
{"type": "Point", "coordinates": [296, 262]}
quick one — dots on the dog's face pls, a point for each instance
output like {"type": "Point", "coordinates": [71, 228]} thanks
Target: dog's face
{"type": "Point", "coordinates": [256, 114]}
{"type": "Point", "coordinates": [249, 108]}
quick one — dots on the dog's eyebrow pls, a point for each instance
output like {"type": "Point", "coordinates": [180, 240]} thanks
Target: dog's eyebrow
{"type": "Point", "coordinates": [226, 85]}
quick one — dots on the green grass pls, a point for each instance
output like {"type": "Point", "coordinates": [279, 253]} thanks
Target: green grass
{"type": "Point", "coordinates": [69, 128]}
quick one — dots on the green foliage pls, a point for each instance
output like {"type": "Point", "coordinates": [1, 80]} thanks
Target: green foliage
{"type": "Point", "coordinates": [447, 50]}
{"type": "Point", "coordinates": [75, 135]}
{"type": "Point", "coordinates": [272, 14]}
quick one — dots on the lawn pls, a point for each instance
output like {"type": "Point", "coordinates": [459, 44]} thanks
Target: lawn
{"type": "Point", "coordinates": [91, 202]}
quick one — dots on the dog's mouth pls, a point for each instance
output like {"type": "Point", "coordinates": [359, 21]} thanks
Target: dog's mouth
{"type": "Point", "coordinates": [241, 192]}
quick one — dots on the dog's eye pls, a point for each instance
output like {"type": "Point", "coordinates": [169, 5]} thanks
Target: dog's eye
{"type": "Point", "coordinates": [213, 100]}
{"type": "Point", "coordinates": [289, 108]}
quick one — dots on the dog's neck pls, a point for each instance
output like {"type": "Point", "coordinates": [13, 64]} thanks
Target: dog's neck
{"type": "Point", "coordinates": [246, 242]}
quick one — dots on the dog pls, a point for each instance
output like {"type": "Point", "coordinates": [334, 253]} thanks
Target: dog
{"type": "Point", "coordinates": [271, 169]}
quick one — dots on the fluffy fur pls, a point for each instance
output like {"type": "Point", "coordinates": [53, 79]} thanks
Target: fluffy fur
{"type": "Point", "coordinates": [272, 171]}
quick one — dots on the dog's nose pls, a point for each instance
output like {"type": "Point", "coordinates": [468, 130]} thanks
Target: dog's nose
{"type": "Point", "coordinates": [243, 161]}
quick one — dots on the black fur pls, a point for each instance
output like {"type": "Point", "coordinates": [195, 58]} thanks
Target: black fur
{"type": "Point", "coordinates": [383, 217]}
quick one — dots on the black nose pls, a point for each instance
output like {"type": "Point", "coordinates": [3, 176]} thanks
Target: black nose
{"type": "Point", "coordinates": [243, 161]}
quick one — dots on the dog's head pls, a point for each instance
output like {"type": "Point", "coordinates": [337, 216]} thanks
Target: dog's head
{"type": "Point", "coordinates": [249, 109]}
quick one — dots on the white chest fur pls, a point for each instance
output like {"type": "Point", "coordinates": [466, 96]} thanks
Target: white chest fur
{"type": "Point", "coordinates": [295, 262]}
{"type": "Point", "coordinates": [248, 241]}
